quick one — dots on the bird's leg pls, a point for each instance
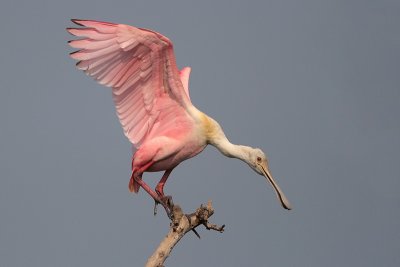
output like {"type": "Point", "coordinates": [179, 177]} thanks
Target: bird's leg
{"type": "Point", "coordinates": [154, 195]}
{"type": "Point", "coordinates": [137, 177]}
{"type": "Point", "coordinates": [167, 200]}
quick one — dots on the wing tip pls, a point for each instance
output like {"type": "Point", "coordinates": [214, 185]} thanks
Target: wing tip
{"type": "Point", "coordinates": [69, 30]}
{"type": "Point", "coordinates": [75, 55]}
{"type": "Point", "coordinates": [85, 22]}
{"type": "Point", "coordinates": [78, 22]}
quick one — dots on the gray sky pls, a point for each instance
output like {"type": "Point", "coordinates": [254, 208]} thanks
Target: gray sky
{"type": "Point", "coordinates": [315, 84]}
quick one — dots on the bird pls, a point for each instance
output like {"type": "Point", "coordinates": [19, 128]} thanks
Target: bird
{"type": "Point", "coordinates": [152, 101]}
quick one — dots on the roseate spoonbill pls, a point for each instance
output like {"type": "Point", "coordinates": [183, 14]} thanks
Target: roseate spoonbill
{"type": "Point", "coordinates": [152, 103]}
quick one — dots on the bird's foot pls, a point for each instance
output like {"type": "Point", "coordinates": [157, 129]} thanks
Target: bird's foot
{"type": "Point", "coordinates": [167, 203]}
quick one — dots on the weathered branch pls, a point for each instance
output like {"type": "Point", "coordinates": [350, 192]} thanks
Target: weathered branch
{"type": "Point", "coordinates": [180, 225]}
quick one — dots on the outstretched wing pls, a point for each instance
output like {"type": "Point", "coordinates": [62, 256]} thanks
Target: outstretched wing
{"type": "Point", "coordinates": [140, 66]}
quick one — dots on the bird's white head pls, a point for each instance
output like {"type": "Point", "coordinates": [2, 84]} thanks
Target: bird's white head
{"type": "Point", "coordinates": [258, 161]}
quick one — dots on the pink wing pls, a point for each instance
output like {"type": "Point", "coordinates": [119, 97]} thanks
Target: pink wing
{"type": "Point", "coordinates": [150, 94]}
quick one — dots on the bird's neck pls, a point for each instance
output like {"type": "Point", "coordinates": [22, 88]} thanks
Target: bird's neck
{"type": "Point", "coordinates": [232, 150]}
{"type": "Point", "coordinates": [216, 137]}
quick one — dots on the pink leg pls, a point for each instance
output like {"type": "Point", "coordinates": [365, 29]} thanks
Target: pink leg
{"type": "Point", "coordinates": [136, 181]}
{"type": "Point", "coordinates": [161, 183]}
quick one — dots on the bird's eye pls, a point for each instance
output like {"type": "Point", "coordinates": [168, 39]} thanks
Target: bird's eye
{"type": "Point", "coordinates": [258, 159]}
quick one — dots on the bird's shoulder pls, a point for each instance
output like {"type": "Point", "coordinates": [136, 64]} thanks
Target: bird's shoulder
{"type": "Point", "coordinates": [210, 127]}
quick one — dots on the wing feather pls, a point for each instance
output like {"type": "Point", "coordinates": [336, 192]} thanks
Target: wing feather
{"type": "Point", "coordinates": [150, 94]}
{"type": "Point", "coordinates": [89, 33]}
{"type": "Point", "coordinates": [92, 44]}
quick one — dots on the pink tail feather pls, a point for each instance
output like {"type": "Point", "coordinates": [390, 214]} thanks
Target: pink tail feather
{"type": "Point", "coordinates": [133, 185]}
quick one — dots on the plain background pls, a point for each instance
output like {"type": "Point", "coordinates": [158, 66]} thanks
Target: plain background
{"type": "Point", "coordinates": [315, 84]}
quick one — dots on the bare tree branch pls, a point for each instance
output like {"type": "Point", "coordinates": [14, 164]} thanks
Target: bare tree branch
{"type": "Point", "coordinates": [180, 225]}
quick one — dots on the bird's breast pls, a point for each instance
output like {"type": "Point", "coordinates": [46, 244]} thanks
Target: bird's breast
{"type": "Point", "coordinates": [177, 148]}
{"type": "Point", "coordinates": [186, 152]}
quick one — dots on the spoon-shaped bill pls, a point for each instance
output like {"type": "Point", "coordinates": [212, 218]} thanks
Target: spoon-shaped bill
{"type": "Point", "coordinates": [282, 198]}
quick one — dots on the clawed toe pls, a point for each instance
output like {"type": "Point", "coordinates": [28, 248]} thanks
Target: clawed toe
{"type": "Point", "coordinates": [167, 203]}
{"type": "Point", "coordinates": [167, 200]}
